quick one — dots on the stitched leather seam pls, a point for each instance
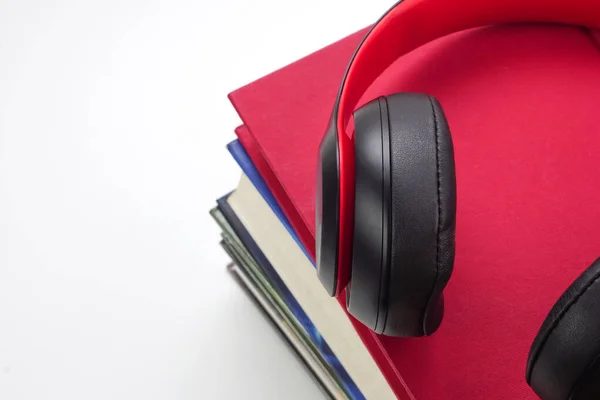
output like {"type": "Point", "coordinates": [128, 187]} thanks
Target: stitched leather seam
{"type": "Point", "coordinates": [439, 205]}
{"type": "Point", "coordinates": [558, 320]}
{"type": "Point", "coordinates": [437, 159]}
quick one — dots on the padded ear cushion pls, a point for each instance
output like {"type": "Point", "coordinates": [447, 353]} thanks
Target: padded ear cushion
{"type": "Point", "coordinates": [423, 213]}
{"type": "Point", "coordinates": [405, 215]}
{"type": "Point", "coordinates": [564, 360]}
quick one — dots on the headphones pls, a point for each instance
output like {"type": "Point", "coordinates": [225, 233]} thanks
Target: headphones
{"type": "Point", "coordinates": [386, 198]}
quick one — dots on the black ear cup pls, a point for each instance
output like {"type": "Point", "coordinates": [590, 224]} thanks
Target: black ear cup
{"type": "Point", "coordinates": [563, 362]}
{"type": "Point", "coordinates": [405, 215]}
{"type": "Point", "coordinates": [368, 289]}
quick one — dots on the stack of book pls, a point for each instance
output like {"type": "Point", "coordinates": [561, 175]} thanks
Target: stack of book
{"type": "Point", "coordinates": [278, 272]}
{"type": "Point", "coordinates": [495, 303]}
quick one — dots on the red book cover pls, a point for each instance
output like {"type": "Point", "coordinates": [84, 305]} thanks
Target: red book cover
{"type": "Point", "coordinates": [522, 104]}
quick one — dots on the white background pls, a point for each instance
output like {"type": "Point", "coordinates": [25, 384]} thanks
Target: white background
{"type": "Point", "coordinates": [113, 126]}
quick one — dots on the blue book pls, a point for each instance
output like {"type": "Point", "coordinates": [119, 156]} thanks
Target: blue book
{"type": "Point", "coordinates": [240, 155]}
{"type": "Point", "coordinates": [245, 162]}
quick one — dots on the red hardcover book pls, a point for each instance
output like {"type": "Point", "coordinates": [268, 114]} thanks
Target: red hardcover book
{"type": "Point", "coordinates": [522, 104]}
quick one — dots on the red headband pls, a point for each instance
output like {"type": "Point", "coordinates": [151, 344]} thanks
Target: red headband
{"type": "Point", "coordinates": [406, 26]}
{"type": "Point", "coordinates": [412, 23]}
